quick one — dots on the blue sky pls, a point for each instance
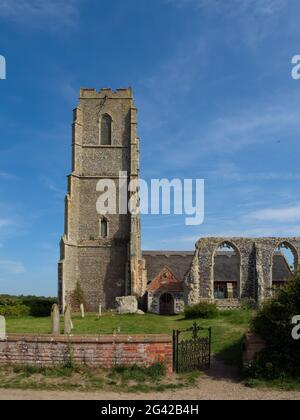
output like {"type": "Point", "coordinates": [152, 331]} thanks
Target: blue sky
{"type": "Point", "coordinates": [212, 81]}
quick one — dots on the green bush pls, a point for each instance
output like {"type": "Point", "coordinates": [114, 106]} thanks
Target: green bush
{"type": "Point", "coordinates": [201, 310]}
{"type": "Point", "coordinates": [274, 324]}
{"type": "Point", "coordinates": [26, 306]}
{"type": "Point", "coordinates": [6, 300]}
{"type": "Point", "coordinates": [248, 304]}
{"type": "Point", "coordinates": [15, 311]}
{"type": "Point", "coordinates": [38, 306]}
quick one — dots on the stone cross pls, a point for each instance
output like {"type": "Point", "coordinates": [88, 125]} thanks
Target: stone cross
{"type": "Point", "coordinates": [82, 310]}
{"type": "Point", "coordinates": [55, 320]}
{"type": "Point", "coordinates": [68, 324]}
{"type": "Point", "coordinates": [2, 328]}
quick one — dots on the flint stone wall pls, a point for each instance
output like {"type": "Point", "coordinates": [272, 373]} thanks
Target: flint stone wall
{"type": "Point", "coordinates": [256, 259]}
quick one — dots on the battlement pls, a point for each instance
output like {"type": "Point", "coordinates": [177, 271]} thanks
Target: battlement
{"type": "Point", "coordinates": [91, 93]}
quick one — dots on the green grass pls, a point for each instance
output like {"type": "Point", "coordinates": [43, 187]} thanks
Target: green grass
{"type": "Point", "coordinates": [81, 378]}
{"type": "Point", "coordinates": [228, 328]}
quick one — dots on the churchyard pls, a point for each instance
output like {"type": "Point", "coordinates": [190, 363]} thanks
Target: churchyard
{"type": "Point", "coordinates": [228, 329]}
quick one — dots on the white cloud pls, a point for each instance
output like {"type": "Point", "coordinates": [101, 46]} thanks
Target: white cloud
{"type": "Point", "coordinates": [284, 214]}
{"type": "Point", "coordinates": [234, 7]}
{"type": "Point", "coordinates": [6, 222]}
{"type": "Point", "coordinates": [12, 267]}
{"type": "Point", "coordinates": [251, 20]}
{"type": "Point", "coordinates": [37, 12]}
{"type": "Point", "coordinates": [6, 175]}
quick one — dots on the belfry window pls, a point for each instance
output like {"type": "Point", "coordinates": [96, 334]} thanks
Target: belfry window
{"type": "Point", "coordinates": [105, 130]}
{"type": "Point", "coordinates": [103, 228]}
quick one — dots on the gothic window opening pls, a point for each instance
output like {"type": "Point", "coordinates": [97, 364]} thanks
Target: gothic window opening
{"type": "Point", "coordinates": [226, 272]}
{"type": "Point", "coordinates": [103, 228]}
{"type": "Point", "coordinates": [285, 262]}
{"type": "Point", "coordinates": [105, 133]}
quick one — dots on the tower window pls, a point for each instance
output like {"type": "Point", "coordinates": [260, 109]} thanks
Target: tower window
{"type": "Point", "coordinates": [106, 123]}
{"type": "Point", "coordinates": [103, 228]}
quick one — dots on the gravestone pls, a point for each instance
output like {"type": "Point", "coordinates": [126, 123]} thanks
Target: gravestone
{"type": "Point", "coordinates": [229, 290]}
{"type": "Point", "coordinates": [127, 305]}
{"type": "Point", "coordinates": [55, 320]}
{"type": "Point", "coordinates": [2, 328]}
{"type": "Point", "coordinates": [82, 310]}
{"type": "Point", "coordinates": [68, 324]}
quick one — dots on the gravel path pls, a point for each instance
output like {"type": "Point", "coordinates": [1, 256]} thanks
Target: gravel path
{"type": "Point", "coordinates": [221, 383]}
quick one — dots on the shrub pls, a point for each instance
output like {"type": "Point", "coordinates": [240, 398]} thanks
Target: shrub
{"type": "Point", "coordinates": [273, 323]}
{"type": "Point", "coordinates": [78, 297]}
{"type": "Point", "coordinates": [26, 306]}
{"type": "Point", "coordinates": [38, 306]}
{"type": "Point", "coordinates": [201, 310]}
{"type": "Point", "coordinates": [15, 311]}
{"type": "Point", "coordinates": [248, 304]}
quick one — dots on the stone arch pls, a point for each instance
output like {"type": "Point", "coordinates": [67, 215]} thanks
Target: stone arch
{"type": "Point", "coordinates": [105, 129]}
{"type": "Point", "coordinates": [280, 276]}
{"type": "Point", "coordinates": [226, 288]}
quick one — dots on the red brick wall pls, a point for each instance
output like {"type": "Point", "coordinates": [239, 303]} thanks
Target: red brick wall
{"type": "Point", "coordinates": [253, 345]}
{"type": "Point", "coordinates": [104, 351]}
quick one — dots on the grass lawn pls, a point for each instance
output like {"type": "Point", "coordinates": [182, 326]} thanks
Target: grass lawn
{"type": "Point", "coordinates": [228, 328]}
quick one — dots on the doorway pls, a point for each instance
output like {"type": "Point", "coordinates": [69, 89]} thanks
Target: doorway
{"type": "Point", "coordinates": [166, 304]}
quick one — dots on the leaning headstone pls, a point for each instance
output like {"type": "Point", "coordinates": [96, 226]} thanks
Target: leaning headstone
{"type": "Point", "coordinates": [82, 310]}
{"type": "Point", "coordinates": [68, 324]}
{"type": "Point", "coordinates": [55, 320]}
{"type": "Point", "coordinates": [2, 328]}
{"type": "Point", "coordinates": [127, 305]}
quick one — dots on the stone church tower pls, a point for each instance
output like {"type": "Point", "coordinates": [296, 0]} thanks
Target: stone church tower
{"type": "Point", "coordinates": [101, 255]}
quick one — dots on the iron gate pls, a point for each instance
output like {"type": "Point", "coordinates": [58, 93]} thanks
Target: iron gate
{"type": "Point", "coordinates": [191, 349]}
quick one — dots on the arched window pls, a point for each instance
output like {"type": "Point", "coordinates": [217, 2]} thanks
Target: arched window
{"type": "Point", "coordinates": [226, 272]}
{"type": "Point", "coordinates": [284, 264]}
{"type": "Point", "coordinates": [105, 130]}
{"type": "Point", "coordinates": [103, 228]}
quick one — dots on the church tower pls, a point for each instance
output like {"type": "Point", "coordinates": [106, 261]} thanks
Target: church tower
{"type": "Point", "coordinates": [101, 254]}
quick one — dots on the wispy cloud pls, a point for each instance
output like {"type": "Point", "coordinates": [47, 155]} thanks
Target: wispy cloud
{"type": "Point", "coordinates": [234, 7]}
{"type": "Point", "coordinates": [253, 20]}
{"type": "Point", "coordinates": [7, 176]}
{"type": "Point", "coordinates": [37, 12]}
{"type": "Point", "coordinates": [12, 267]}
{"type": "Point", "coordinates": [6, 222]}
{"type": "Point", "coordinates": [283, 214]}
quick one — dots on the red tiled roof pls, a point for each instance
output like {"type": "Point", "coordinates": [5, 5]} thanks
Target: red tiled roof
{"type": "Point", "coordinates": [165, 282]}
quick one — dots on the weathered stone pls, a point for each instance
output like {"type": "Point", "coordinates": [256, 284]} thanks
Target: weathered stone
{"type": "Point", "coordinates": [140, 312]}
{"type": "Point", "coordinates": [229, 291]}
{"type": "Point", "coordinates": [256, 256]}
{"type": "Point", "coordinates": [82, 310]}
{"type": "Point", "coordinates": [105, 262]}
{"type": "Point", "coordinates": [252, 346]}
{"type": "Point", "coordinates": [68, 324]}
{"type": "Point", "coordinates": [55, 320]}
{"type": "Point", "coordinates": [2, 328]}
{"type": "Point", "coordinates": [127, 305]}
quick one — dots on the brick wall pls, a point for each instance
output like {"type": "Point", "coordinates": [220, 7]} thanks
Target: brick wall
{"type": "Point", "coordinates": [252, 346]}
{"type": "Point", "coordinates": [102, 351]}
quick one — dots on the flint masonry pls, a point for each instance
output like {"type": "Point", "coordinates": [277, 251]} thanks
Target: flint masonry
{"type": "Point", "coordinates": [101, 254]}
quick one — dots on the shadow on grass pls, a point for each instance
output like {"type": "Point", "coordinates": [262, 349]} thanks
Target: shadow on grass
{"type": "Point", "coordinates": [227, 363]}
